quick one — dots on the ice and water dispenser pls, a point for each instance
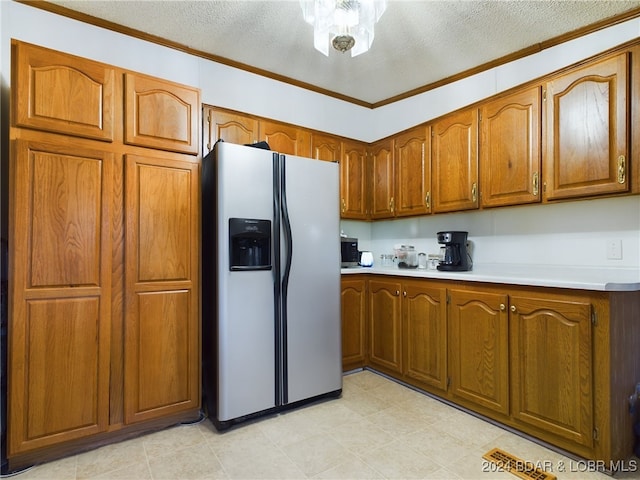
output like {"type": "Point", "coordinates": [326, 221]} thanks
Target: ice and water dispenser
{"type": "Point", "coordinates": [249, 244]}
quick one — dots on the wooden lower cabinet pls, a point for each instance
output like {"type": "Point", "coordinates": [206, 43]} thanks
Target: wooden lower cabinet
{"type": "Point", "coordinates": [354, 321]}
{"type": "Point", "coordinates": [385, 325]}
{"type": "Point", "coordinates": [556, 364]}
{"type": "Point", "coordinates": [425, 334]}
{"type": "Point", "coordinates": [479, 348]}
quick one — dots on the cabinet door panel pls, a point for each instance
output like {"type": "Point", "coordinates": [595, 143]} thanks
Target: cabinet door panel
{"type": "Point", "coordinates": [161, 114]}
{"type": "Point", "coordinates": [161, 370]}
{"type": "Point", "coordinates": [385, 328]}
{"type": "Point", "coordinates": [286, 139]}
{"type": "Point", "coordinates": [60, 294]}
{"type": "Point", "coordinates": [325, 147]}
{"type": "Point", "coordinates": [229, 126]}
{"type": "Point", "coordinates": [425, 317]}
{"type": "Point", "coordinates": [413, 173]}
{"type": "Point", "coordinates": [382, 194]}
{"type": "Point", "coordinates": [354, 307]}
{"type": "Point", "coordinates": [62, 93]}
{"type": "Point", "coordinates": [510, 150]}
{"type": "Point", "coordinates": [587, 110]}
{"type": "Point", "coordinates": [552, 369]}
{"type": "Point", "coordinates": [455, 162]}
{"type": "Point", "coordinates": [353, 181]}
{"type": "Point", "coordinates": [478, 343]}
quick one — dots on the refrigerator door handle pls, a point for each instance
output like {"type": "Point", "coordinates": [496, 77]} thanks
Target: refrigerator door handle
{"type": "Point", "coordinates": [277, 288]}
{"type": "Point", "coordinates": [288, 253]}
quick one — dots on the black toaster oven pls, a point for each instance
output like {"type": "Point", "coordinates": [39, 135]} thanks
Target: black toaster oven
{"type": "Point", "coordinates": [350, 253]}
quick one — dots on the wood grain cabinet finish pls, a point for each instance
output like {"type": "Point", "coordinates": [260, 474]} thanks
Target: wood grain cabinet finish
{"type": "Point", "coordinates": [162, 305]}
{"type": "Point", "coordinates": [354, 188]}
{"type": "Point", "coordinates": [161, 114]}
{"type": "Point", "coordinates": [479, 348]}
{"type": "Point", "coordinates": [326, 147]}
{"type": "Point", "coordinates": [287, 139]}
{"type": "Point", "coordinates": [62, 93]}
{"type": "Point", "coordinates": [354, 321]}
{"type": "Point", "coordinates": [385, 327]}
{"type": "Point", "coordinates": [383, 180]}
{"type": "Point", "coordinates": [60, 293]}
{"type": "Point", "coordinates": [510, 149]}
{"type": "Point", "coordinates": [424, 312]}
{"type": "Point", "coordinates": [229, 126]}
{"type": "Point", "coordinates": [454, 160]}
{"type": "Point", "coordinates": [586, 136]}
{"type": "Point", "coordinates": [551, 361]}
{"type": "Point", "coordinates": [412, 172]}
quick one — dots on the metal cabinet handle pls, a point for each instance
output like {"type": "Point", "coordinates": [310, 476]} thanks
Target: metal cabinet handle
{"type": "Point", "coordinates": [427, 200]}
{"type": "Point", "coordinates": [344, 206]}
{"type": "Point", "coordinates": [536, 184]}
{"type": "Point", "coordinates": [621, 169]}
{"type": "Point", "coordinates": [474, 192]}
{"type": "Point", "coordinates": [391, 204]}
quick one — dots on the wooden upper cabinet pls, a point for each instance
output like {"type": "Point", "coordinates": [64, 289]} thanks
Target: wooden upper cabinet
{"type": "Point", "coordinates": [382, 184]}
{"type": "Point", "coordinates": [229, 126]}
{"type": "Point", "coordinates": [287, 139]}
{"type": "Point", "coordinates": [454, 143]}
{"type": "Point", "coordinates": [510, 149]}
{"type": "Point", "coordinates": [62, 93]}
{"type": "Point", "coordinates": [325, 147]}
{"type": "Point", "coordinates": [161, 114]}
{"type": "Point", "coordinates": [586, 131]}
{"type": "Point", "coordinates": [412, 172]}
{"type": "Point", "coordinates": [354, 191]}
{"type": "Point", "coordinates": [60, 289]}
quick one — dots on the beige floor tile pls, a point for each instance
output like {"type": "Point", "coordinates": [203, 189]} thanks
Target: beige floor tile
{"type": "Point", "coordinates": [364, 403]}
{"type": "Point", "coordinates": [360, 436]}
{"type": "Point", "coordinates": [396, 421]}
{"type": "Point", "coordinates": [64, 469]}
{"type": "Point", "coordinates": [196, 463]}
{"type": "Point", "coordinates": [397, 460]}
{"type": "Point", "coordinates": [111, 458]}
{"type": "Point", "coordinates": [317, 454]}
{"type": "Point", "coordinates": [468, 428]}
{"type": "Point", "coordinates": [266, 462]}
{"type": "Point", "coordinates": [442, 448]}
{"type": "Point", "coordinates": [352, 469]}
{"type": "Point", "coordinates": [139, 471]}
{"type": "Point", "coordinates": [167, 441]}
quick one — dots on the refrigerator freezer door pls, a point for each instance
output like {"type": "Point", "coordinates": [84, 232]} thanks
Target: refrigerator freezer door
{"type": "Point", "coordinates": [314, 365]}
{"type": "Point", "coordinates": [246, 326]}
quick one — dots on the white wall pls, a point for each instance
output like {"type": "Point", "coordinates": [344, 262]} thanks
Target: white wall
{"type": "Point", "coordinates": [567, 233]}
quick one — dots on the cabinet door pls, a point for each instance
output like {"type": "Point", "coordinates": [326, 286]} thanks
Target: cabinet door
{"type": "Point", "coordinates": [60, 294]}
{"type": "Point", "coordinates": [161, 114]}
{"type": "Point", "coordinates": [385, 328]}
{"type": "Point", "coordinates": [325, 147]}
{"type": "Point", "coordinates": [61, 93]}
{"type": "Point", "coordinates": [455, 162]}
{"type": "Point", "coordinates": [354, 194]}
{"type": "Point", "coordinates": [425, 334]}
{"type": "Point", "coordinates": [586, 133]}
{"type": "Point", "coordinates": [286, 139]}
{"type": "Point", "coordinates": [382, 185]}
{"type": "Point", "coordinates": [354, 316]}
{"type": "Point", "coordinates": [510, 149]}
{"type": "Point", "coordinates": [161, 343]}
{"type": "Point", "coordinates": [413, 173]}
{"type": "Point", "coordinates": [552, 376]}
{"type": "Point", "coordinates": [229, 126]}
{"type": "Point", "coordinates": [478, 347]}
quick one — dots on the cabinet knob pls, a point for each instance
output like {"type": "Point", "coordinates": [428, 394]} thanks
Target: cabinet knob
{"type": "Point", "coordinates": [397, 293]}
{"type": "Point", "coordinates": [404, 294]}
{"type": "Point", "coordinates": [503, 307]}
{"type": "Point", "coordinates": [513, 308]}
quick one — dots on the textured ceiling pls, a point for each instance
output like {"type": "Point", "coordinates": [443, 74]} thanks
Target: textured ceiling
{"type": "Point", "coordinates": [417, 43]}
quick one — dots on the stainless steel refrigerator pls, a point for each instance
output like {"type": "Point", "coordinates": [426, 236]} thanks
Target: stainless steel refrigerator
{"type": "Point", "coordinates": [271, 282]}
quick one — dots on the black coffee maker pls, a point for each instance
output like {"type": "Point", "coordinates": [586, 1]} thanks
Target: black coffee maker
{"type": "Point", "coordinates": [456, 257]}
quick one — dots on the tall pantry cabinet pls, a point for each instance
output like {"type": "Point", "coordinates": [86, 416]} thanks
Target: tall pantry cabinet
{"type": "Point", "coordinates": [103, 337]}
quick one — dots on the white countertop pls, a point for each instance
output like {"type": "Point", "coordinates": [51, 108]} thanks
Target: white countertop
{"type": "Point", "coordinates": [583, 278]}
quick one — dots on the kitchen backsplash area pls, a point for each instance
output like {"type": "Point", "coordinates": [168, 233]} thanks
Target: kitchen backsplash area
{"type": "Point", "coordinates": [585, 233]}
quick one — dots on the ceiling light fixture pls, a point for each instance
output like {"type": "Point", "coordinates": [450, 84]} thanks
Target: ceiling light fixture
{"type": "Point", "coordinates": [345, 24]}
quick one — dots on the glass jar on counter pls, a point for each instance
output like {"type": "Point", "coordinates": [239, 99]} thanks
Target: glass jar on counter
{"type": "Point", "coordinates": [407, 257]}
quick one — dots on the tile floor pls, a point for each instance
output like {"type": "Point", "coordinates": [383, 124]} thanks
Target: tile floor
{"type": "Point", "coordinates": [378, 429]}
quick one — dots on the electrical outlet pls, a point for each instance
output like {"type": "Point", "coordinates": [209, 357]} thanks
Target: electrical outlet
{"type": "Point", "coordinates": [614, 249]}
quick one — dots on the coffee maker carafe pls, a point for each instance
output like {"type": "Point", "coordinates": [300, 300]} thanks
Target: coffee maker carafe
{"type": "Point", "coordinates": [455, 257]}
